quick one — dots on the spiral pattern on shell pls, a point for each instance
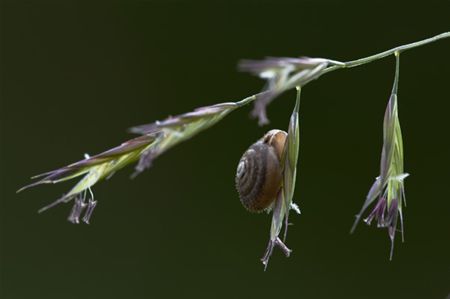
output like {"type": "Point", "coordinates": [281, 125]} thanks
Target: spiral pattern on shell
{"type": "Point", "coordinates": [259, 172]}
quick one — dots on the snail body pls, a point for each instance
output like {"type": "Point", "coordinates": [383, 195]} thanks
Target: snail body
{"type": "Point", "coordinates": [259, 173]}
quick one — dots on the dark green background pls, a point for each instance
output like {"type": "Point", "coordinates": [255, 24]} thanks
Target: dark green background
{"type": "Point", "coordinates": [75, 76]}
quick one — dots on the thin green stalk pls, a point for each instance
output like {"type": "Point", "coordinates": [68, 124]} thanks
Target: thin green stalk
{"type": "Point", "coordinates": [365, 60]}
{"type": "Point", "coordinates": [299, 80]}
{"type": "Point", "coordinates": [297, 100]}
{"type": "Point", "coordinates": [397, 71]}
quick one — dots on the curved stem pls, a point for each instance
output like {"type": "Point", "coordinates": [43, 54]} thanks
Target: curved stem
{"type": "Point", "coordinates": [397, 71]}
{"type": "Point", "coordinates": [297, 100]}
{"type": "Point", "coordinates": [399, 49]}
{"type": "Point", "coordinates": [335, 65]}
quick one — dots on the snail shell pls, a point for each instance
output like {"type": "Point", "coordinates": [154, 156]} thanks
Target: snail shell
{"type": "Point", "coordinates": [259, 173]}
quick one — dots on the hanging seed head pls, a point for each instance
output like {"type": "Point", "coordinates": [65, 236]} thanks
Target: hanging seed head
{"type": "Point", "coordinates": [388, 189]}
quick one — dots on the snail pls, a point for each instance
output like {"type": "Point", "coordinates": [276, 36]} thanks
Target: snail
{"type": "Point", "coordinates": [259, 172]}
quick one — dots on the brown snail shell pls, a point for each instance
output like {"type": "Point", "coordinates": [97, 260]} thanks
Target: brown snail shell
{"type": "Point", "coordinates": [259, 173]}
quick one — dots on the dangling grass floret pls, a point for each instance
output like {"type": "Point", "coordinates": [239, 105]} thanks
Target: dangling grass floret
{"type": "Point", "coordinates": [388, 187]}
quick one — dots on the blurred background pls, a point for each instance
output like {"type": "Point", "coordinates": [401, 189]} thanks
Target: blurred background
{"type": "Point", "coordinates": [75, 76]}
